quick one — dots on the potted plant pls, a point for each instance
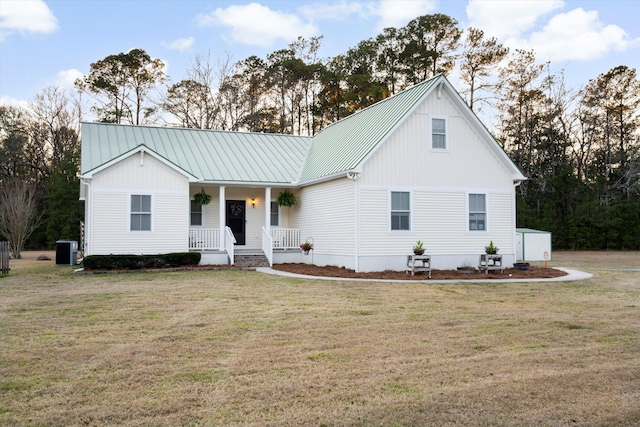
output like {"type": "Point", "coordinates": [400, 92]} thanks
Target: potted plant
{"type": "Point", "coordinates": [202, 198]}
{"type": "Point", "coordinates": [306, 247]}
{"type": "Point", "coordinates": [491, 249]}
{"type": "Point", "coordinates": [418, 249]}
{"type": "Point", "coordinates": [286, 198]}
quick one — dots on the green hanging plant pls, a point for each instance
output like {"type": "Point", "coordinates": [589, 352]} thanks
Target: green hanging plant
{"type": "Point", "coordinates": [286, 198]}
{"type": "Point", "coordinates": [202, 198]}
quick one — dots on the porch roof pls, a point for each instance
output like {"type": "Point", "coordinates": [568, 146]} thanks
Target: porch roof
{"type": "Point", "coordinates": [216, 156]}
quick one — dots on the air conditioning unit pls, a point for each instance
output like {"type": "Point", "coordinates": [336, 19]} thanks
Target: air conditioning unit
{"type": "Point", "coordinates": [66, 252]}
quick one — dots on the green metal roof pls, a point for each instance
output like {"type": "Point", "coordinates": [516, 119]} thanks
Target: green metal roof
{"type": "Point", "coordinates": [208, 155]}
{"type": "Point", "coordinates": [219, 156]}
{"type": "Point", "coordinates": [341, 146]}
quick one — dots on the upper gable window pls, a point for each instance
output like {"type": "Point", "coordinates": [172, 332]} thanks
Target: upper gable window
{"type": "Point", "coordinates": [438, 133]}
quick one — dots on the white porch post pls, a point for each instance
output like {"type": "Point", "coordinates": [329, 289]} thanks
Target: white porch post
{"type": "Point", "coordinates": [223, 220]}
{"type": "Point", "coordinates": [267, 210]}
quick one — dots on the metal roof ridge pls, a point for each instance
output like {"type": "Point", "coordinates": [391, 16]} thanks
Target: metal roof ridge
{"type": "Point", "coordinates": [200, 130]}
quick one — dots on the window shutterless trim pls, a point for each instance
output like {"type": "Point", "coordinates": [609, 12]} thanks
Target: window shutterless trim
{"type": "Point", "coordinates": [140, 213]}
{"type": "Point", "coordinates": [445, 134]}
{"type": "Point", "coordinates": [404, 213]}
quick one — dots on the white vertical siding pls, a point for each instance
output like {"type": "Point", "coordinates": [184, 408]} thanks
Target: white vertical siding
{"type": "Point", "coordinates": [111, 191]}
{"type": "Point", "coordinates": [406, 157]}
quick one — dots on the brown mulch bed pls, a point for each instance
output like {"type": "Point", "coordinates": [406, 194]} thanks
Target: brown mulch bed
{"type": "Point", "coordinates": [330, 271]}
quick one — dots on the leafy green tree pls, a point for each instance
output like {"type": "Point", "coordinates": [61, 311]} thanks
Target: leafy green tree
{"type": "Point", "coordinates": [390, 46]}
{"type": "Point", "coordinates": [64, 210]}
{"type": "Point", "coordinates": [121, 85]}
{"type": "Point", "coordinates": [430, 46]}
{"type": "Point", "coordinates": [13, 140]}
{"type": "Point", "coordinates": [480, 57]}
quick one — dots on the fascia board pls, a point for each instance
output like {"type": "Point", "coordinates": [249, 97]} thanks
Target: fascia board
{"type": "Point", "coordinates": [399, 123]}
{"type": "Point", "coordinates": [144, 149]}
{"type": "Point", "coordinates": [483, 132]}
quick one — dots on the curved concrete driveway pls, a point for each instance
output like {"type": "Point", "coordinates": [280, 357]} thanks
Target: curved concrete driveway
{"type": "Point", "coordinates": [572, 275]}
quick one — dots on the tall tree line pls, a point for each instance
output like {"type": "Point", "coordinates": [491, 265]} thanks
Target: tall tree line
{"type": "Point", "coordinates": [579, 148]}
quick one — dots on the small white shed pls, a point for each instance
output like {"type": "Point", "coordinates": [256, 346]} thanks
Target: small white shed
{"type": "Point", "coordinates": [533, 245]}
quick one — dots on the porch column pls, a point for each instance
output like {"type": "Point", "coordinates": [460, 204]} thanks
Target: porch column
{"type": "Point", "coordinates": [267, 210]}
{"type": "Point", "coordinates": [223, 220]}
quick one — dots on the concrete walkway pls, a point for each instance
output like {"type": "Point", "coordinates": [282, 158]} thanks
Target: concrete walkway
{"type": "Point", "coordinates": [572, 275]}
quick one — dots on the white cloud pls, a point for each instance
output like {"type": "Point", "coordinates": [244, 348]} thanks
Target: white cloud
{"type": "Point", "coordinates": [397, 13]}
{"type": "Point", "coordinates": [254, 24]}
{"type": "Point", "coordinates": [180, 44]}
{"type": "Point", "coordinates": [26, 16]}
{"type": "Point", "coordinates": [506, 19]}
{"type": "Point", "coordinates": [578, 35]}
{"type": "Point", "coordinates": [66, 78]}
{"type": "Point", "coordinates": [9, 101]}
{"type": "Point", "coordinates": [333, 11]}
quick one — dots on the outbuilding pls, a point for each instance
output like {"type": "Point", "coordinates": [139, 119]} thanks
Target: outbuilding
{"type": "Point", "coordinates": [533, 245]}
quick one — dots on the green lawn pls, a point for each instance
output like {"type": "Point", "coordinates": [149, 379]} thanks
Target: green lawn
{"type": "Point", "coordinates": [244, 348]}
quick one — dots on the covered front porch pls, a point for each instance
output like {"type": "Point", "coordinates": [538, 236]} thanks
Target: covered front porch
{"type": "Point", "coordinates": [240, 218]}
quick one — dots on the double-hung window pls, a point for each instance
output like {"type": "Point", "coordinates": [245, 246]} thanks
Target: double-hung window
{"type": "Point", "coordinates": [196, 214]}
{"type": "Point", "coordinates": [438, 133]}
{"type": "Point", "coordinates": [477, 212]}
{"type": "Point", "coordinates": [400, 211]}
{"type": "Point", "coordinates": [140, 212]}
{"type": "Point", "coordinates": [274, 214]}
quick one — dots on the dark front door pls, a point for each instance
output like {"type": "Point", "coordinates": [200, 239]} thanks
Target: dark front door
{"type": "Point", "coordinates": [236, 219]}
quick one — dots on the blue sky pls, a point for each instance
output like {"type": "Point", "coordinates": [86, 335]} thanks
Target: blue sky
{"type": "Point", "coordinates": [45, 43]}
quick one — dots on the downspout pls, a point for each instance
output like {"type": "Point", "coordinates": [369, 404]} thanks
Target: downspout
{"type": "Point", "coordinates": [354, 177]}
{"type": "Point", "coordinates": [88, 222]}
{"type": "Point", "coordinates": [514, 236]}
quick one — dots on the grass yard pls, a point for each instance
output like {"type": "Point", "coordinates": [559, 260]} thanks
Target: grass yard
{"type": "Point", "coordinates": [243, 348]}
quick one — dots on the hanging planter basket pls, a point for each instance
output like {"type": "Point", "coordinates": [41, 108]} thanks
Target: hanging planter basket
{"type": "Point", "coordinates": [202, 198]}
{"type": "Point", "coordinates": [306, 247]}
{"type": "Point", "coordinates": [286, 198]}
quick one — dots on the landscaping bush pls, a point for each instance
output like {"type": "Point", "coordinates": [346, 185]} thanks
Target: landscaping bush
{"type": "Point", "coordinates": [136, 262]}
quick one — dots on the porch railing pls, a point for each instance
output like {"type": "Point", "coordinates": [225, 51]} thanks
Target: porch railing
{"type": "Point", "coordinates": [204, 239]}
{"type": "Point", "coordinates": [229, 241]}
{"type": "Point", "coordinates": [208, 239]}
{"type": "Point", "coordinates": [267, 246]}
{"type": "Point", "coordinates": [286, 238]}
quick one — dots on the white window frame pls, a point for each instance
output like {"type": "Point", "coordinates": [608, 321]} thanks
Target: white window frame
{"type": "Point", "coordinates": [201, 215]}
{"type": "Point", "coordinates": [486, 212]}
{"type": "Point", "coordinates": [390, 210]}
{"type": "Point", "coordinates": [150, 213]}
{"type": "Point", "coordinates": [446, 134]}
{"type": "Point", "coordinates": [279, 213]}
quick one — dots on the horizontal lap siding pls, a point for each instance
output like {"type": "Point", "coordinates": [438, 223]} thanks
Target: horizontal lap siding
{"type": "Point", "coordinates": [111, 191]}
{"type": "Point", "coordinates": [325, 212]}
{"type": "Point", "coordinates": [439, 219]}
{"type": "Point", "coordinates": [501, 226]}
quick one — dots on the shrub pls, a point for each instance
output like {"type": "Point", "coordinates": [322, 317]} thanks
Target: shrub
{"type": "Point", "coordinates": [136, 262]}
